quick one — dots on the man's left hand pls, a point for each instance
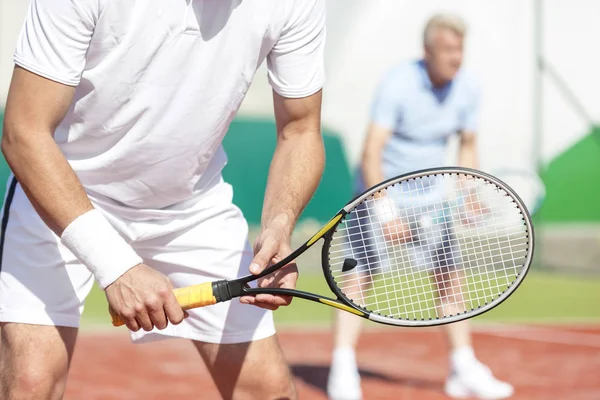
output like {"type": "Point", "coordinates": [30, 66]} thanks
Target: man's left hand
{"type": "Point", "coordinates": [272, 246]}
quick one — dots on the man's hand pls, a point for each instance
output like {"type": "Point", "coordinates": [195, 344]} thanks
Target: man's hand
{"type": "Point", "coordinates": [396, 232]}
{"type": "Point", "coordinates": [271, 246]}
{"type": "Point", "coordinates": [474, 210]}
{"type": "Point", "coordinates": [143, 298]}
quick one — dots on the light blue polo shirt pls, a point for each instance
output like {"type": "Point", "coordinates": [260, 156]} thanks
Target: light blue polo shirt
{"type": "Point", "coordinates": [421, 117]}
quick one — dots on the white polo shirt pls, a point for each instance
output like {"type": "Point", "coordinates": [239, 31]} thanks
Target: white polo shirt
{"type": "Point", "coordinates": [159, 81]}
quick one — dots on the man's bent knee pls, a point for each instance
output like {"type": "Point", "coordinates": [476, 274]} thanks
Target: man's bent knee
{"type": "Point", "coordinates": [280, 385]}
{"type": "Point", "coordinates": [271, 386]}
{"type": "Point", "coordinates": [34, 361]}
{"type": "Point", "coordinates": [249, 371]}
{"type": "Point", "coordinates": [29, 381]}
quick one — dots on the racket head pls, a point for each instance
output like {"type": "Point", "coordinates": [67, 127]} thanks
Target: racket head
{"type": "Point", "coordinates": [483, 263]}
{"type": "Point", "coordinates": [527, 184]}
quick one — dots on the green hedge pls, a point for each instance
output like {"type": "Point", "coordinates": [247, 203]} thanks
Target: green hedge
{"type": "Point", "coordinates": [573, 192]}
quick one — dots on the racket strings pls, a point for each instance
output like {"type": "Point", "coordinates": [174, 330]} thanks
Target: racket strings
{"type": "Point", "coordinates": [431, 247]}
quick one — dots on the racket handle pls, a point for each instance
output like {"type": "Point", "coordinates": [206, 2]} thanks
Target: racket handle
{"type": "Point", "coordinates": [188, 297]}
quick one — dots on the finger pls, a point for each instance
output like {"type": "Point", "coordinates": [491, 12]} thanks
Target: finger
{"type": "Point", "coordinates": [274, 300]}
{"type": "Point", "coordinates": [251, 300]}
{"type": "Point", "coordinates": [267, 281]}
{"type": "Point", "coordinates": [142, 318]}
{"type": "Point", "coordinates": [289, 281]}
{"type": "Point", "coordinates": [247, 299]}
{"type": "Point", "coordinates": [132, 324]}
{"type": "Point", "coordinates": [263, 257]}
{"type": "Point", "coordinates": [156, 311]}
{"type": "Point", "coordinates": [173, 310]}
{"type": "Point", "coordinates": [266, 300]}
{"type": "Point", "coordinates": [128, 317]}
{"type": "Point", "coordinates": [265, 305]}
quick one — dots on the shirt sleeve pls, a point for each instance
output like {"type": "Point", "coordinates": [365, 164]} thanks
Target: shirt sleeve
{"type": "Point", "coordinates": [470, 114]}
{"type": "Point", "coordinates": [296, 62]}
{"type": "Point", "coordinates": [54, 38]}
{"type": "Point", "coordinates": [386, 105]}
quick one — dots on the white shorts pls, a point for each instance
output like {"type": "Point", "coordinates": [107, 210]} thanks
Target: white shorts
{"type": "Point", "coordinates": [41, 282]}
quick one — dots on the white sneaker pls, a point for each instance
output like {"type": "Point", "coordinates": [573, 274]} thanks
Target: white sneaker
{"type": "Point", "coordinates": [477, 381]}
{"type": "Point", "coordinates": [343, 382]}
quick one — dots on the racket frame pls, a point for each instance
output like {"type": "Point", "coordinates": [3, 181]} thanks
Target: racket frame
{"type": "Point", "coordinates": [533, 176]}
{"type": "Point", "coordinates": [224, 290]}
{"type": "Point", "coordinates": [454, 318]}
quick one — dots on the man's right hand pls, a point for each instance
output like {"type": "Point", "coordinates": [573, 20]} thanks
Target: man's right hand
{"type": "Point", "coordinates": [143, 298]}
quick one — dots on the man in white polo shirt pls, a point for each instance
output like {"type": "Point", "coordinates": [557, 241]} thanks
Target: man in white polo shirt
{"type": "Point", "coordinates": [113, 130]}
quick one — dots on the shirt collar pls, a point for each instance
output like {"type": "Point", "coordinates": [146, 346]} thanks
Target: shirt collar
{"type": "Point", "coordinates": [426, 80]}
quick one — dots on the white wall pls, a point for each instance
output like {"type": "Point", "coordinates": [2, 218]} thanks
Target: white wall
{"type": "Point", "coordinates": [12, 13]}
{"type": "Point", "coordinates": [571, 33]}
{"type": "Point", "coordinates": [366, 37]}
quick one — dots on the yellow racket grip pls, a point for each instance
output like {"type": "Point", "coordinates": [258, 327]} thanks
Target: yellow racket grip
{"type": "Point", "coordinates": [188, 297]}
{"type": "Point", "coordinates": [195, 296]}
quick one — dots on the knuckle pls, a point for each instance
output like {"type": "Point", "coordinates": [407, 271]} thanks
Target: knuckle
{"type": "Point", "coordinates": [163, 292]}
{"type": "Point", "coordinates": [128, 313]}
{"type": "Point", "coordinates": [138, 308]}
{"type": "Point", "coordinates": [153, 303]}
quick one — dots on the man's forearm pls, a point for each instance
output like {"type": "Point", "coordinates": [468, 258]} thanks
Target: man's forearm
{"type": "Point", "coordinates": [60, 200]}
{"type": "Point", "coordinates": [467, 153]}
{"type": "Point", "coordinates": [372, 170]}
{"type": "Point", "coordinates": [467, 156]}
{"type": "Point", "coordinates": [46, 177]}
{"type": "Point", "coordinates": [295, 172]}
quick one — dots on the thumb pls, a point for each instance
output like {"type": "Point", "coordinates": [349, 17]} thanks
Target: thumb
{"type": "Point", "coordinates": [264, 255]}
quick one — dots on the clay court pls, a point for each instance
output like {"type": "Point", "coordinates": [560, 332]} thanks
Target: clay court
{"type": "Point", "coordinates": [543, 362]}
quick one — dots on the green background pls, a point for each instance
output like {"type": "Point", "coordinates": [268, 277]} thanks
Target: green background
{"type": "Point", "coordinates": [572, 183]}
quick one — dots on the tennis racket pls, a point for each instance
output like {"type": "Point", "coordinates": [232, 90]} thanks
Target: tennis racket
{"type": "Point", "coordinates": [445, 269]}
{"type": "Point", "coordinates": [527, 184]}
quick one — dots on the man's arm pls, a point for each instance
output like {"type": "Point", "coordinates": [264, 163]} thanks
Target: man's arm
{"type": "Point", "coordinates": [294, 174]}
{"type": "Point", "coordinates": [371, 163]}
{"type": "Point", "coordinates": [298, 161]}
{"type": "Point", "coordinates": [35, 106]}
{"type": "Point", "coordinates": [467, 152]}
{"type": "Point", "coordinates": [469, 116]}
{"type": "Point", "coordinates": [385, 112]}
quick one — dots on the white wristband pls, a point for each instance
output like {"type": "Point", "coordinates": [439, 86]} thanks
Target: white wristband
{"type": "Point", "coordinates": [94, 241]}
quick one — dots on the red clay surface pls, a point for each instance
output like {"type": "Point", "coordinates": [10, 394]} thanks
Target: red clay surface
{"type": "Point", "coordinates": [542, 363]}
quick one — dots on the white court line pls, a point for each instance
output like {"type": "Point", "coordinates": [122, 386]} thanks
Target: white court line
{"type": "Point", "coordinates": [546, 335]}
